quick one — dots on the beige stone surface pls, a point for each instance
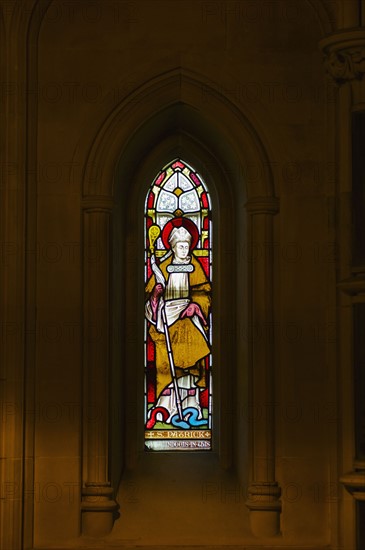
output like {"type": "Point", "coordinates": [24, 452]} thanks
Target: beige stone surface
{"type": "Point", "coordinates": [98, 96]}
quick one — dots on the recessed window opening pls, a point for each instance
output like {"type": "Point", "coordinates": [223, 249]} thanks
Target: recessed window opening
{"type": "Point", "coordinates": [178, 321]}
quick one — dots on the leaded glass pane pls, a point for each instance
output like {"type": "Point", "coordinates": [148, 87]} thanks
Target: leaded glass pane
{"type": "Point", "coordinates": [167, 202]}
{"type": "Point", "coordinates": [184, 183]}
{"type": "Point", "coordinates": [189, 202]}
{"type": "Point", "coordinates": [171, 184]}
{"type": "Point", "coordinates": [178, 321]}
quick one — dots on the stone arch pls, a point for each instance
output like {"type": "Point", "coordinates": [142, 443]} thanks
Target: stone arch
{"type": "Point", "coordinates": [326, 14]}
{"type": "Point", "coordinates": [26, 135]}
{"type": "Point", "coordinates": [176, 114]}
{"type": "Point", "coordinates": [176, 87]}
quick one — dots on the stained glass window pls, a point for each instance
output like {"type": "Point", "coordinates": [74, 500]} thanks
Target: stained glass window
{"type": "Point", "coordinates": [178, 319]}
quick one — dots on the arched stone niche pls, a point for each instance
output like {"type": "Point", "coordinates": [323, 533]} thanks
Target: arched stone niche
{"type": "Point", "coordinates": [165, 119]}
{"type": "Point", "coordinates": [230, 125]}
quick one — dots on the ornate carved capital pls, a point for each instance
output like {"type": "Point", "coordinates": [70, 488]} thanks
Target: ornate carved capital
{"type": "Point", "coordinates": [345, 55]}
{"type": "Point", "coordinates": [346, 65]}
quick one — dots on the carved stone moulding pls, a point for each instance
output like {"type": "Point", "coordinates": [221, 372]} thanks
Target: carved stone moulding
{"type": "Point", "coordinates": [354, 481]}
{"type": "Point", "coordinates": [265, 508]}
{"type": "Point", "coordinates": [98, 509]}
{"type": "Point", "coordinates": [263, 205]}
{"type": "Point", "coordinates": [354, 285]}
{"type": "Point", "coordinates": [345, 55]}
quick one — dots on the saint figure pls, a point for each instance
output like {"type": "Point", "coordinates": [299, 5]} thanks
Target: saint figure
{"type": "Point", "coordinates": [178, 301]}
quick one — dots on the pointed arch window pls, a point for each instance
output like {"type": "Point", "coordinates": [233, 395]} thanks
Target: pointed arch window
{"type": "Point", "coordinates": [178, 320]}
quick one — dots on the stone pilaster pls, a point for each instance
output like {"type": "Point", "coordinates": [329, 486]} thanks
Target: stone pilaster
{"type": "Point", "coordinates": [98, 507]}
{"type": "Point", "coordinates": [354, 479]}
{"type": "Point", "coordinates": [264, 492]}
{"type": "Point", "coordinates": [344, 59]}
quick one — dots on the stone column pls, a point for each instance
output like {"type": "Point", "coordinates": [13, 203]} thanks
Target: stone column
{"type": "Point", "coordinates": [345, 62]}
{"type": "Point", "coordinates": [98, 507]}
{"type": "Point", "coordinates": [17, 273]}
{"type": "Point", "coordinates": [264, 492]}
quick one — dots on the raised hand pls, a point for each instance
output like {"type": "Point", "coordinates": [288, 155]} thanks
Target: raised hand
{"type": "Point", "coordinates": [191, 310]}
{"type": "Point", "coordinates": [156, 293]}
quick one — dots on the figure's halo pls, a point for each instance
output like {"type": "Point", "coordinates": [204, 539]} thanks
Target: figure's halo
{"type": "Point", "coordinates": [189, 225]}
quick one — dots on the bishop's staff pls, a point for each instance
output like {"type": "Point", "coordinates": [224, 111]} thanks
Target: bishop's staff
{"type": "Point", "coordinates": [153, 234]}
